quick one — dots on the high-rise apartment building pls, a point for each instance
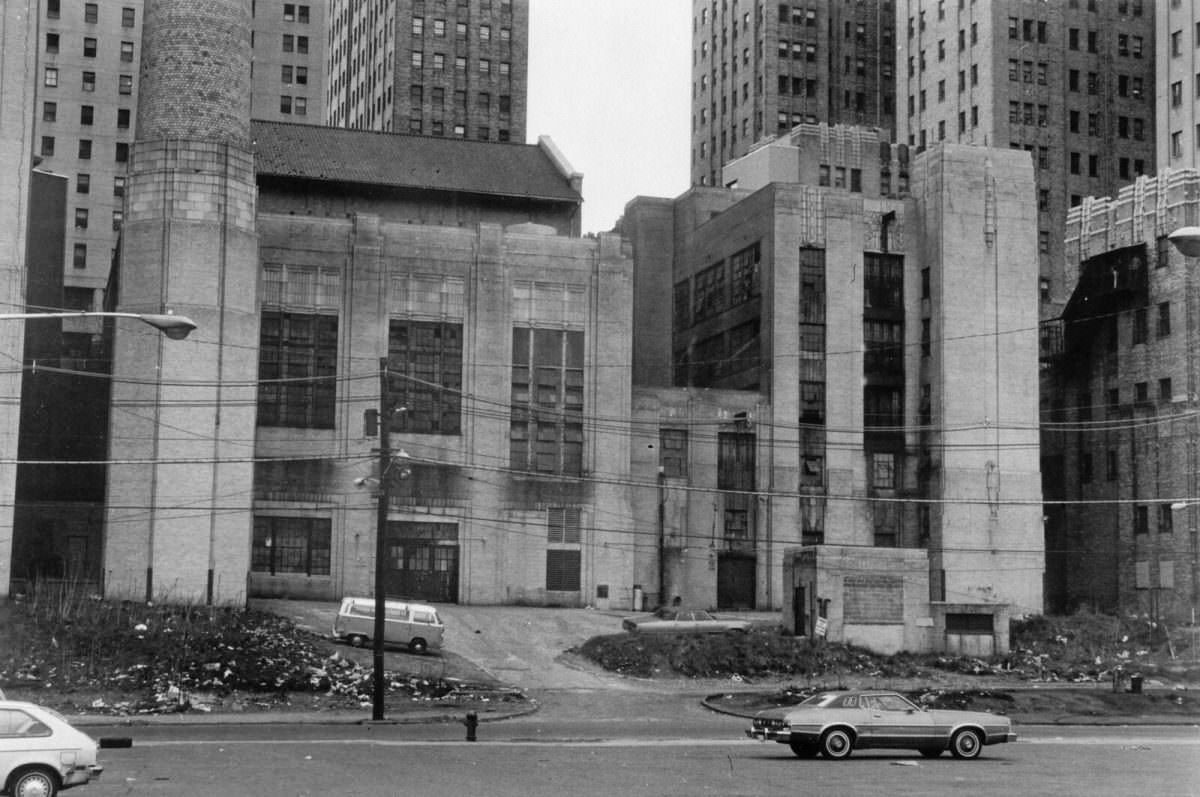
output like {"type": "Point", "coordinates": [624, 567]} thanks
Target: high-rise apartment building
{"type": "Point", "coordinates": [1177, 35]}
{"type": "Point", "coordinates": [288, 70]}
{"type": "Point", "coordinates": [432, 67]}
{"type": "Point", "coordinates": [758, 70]}
{"type": "Point", "coordinates": [1071, 82]}
{"type": "Point", "coordinates": [87, 85]}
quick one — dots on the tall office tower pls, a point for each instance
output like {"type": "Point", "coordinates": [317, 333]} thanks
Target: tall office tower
{"type": "Point", "coordinates": [1071, 82]}
{"type": "Point", "coordinates": [434, 67]}
{"type": "Point", "coordinates": [288, 71]}
{"type": "Point", "coordinates": [87, 86]}
{"type": "Point", "coordinates": [1177, 129]}
{"type": "Point", "coordinates": [759, 70]}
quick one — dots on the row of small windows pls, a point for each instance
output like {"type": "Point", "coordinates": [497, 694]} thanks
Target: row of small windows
{"type": "Point", "coordinates": [83, 184]}
{"type": "Point", "coordinates": [50, 79]}
{"type": "Point", "coordinates": [90, 47]}
{"type": "Point", "coordinates": [49, 145]}
{"type": "Point", "coordinates": [437, 127]}
{"type": "Point", "coordinates": [460, 30]}
{"type": "Point", "coordinates": [82, 218]}
{"type": "Point", "coordinates": [1127, 46]}
{"type": "Point", "coordinates": [295, 44]}
{"type": "Point", "coordinates": [294, 13]}
{"type": "Point", "coordinates": [438, 62]}
{"type": "Point", "coordinates": [293, 105]}
{"type": "Point", "coordinates": [87, 114]}
{"type": "Point", "coordinates": [91, 13]}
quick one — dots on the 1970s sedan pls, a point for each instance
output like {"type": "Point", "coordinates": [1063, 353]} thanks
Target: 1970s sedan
{"type": "Point", "coordinates": [836, 723]}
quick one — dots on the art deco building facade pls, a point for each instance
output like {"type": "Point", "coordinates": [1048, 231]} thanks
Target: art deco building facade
{"type": "Point", "coordinates": [1071, 82]}
{"type": "Point", "coordinates": [1119, 444]}
{"type": "Point", "coordinates": [760, 69]}
{"type": "Point", "coordinates": [878, 321]}
{"type": "Point", "coordinates": [433, 67]}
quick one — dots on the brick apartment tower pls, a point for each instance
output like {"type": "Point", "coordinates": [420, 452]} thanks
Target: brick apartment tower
{"type": "Point", "coordinates": [760, 70]}
{"type": "Point", "coordinates": [431, 67]}
{"type": "Point", "coordinates": [183, 412]}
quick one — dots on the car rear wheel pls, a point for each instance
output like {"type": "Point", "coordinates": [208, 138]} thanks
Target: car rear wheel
{"type": "Point", "coordinates": [930, 752]}
{"type": "Point", "coordinates": [967, 743]}
{"type": "Point", "coordinates": [837, 743]}
{"type": "Point", "coordinates": [357, 640]}
{"type": "Point", "coordinates": [417, 645]}
{"type": "Point", "coordinates": [36, 782]}
{"type": "Point", "coordinates": [804, 749]}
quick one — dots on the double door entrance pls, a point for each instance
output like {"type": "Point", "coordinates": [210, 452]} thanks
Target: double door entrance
{"type": "Point", "coordinates": [422, 561]}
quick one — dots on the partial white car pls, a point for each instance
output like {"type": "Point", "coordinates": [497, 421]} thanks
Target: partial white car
{"type": "Point", "coordinates": [682, 621]}
{"type": "Point", "coordinates": [41, 753]}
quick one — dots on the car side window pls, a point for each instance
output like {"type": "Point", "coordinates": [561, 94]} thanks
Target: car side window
{"type": "Point", "coordinates": [892, 703]}
{"type": "Point", "coordinates": [850, 701]}
{"type": "Point", "coordinates": [17, 723]}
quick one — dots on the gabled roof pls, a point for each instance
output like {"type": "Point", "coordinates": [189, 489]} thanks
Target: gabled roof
{"type": "Point", "coordinates": [335, 154]}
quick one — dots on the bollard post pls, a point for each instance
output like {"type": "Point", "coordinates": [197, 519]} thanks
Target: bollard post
{"type": "Point", "coordinates": [472, 722]}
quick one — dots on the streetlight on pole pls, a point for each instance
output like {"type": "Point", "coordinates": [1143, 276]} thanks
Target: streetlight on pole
{"type": "Point", "coordinates": [175, 327]}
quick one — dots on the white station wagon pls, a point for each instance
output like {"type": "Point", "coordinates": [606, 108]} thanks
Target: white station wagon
{"type": "Point", "coordinates": [41, 753]}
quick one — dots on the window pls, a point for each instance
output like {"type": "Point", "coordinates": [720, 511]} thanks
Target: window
{"type": "Point", "coordinates": [1165, 522]}
{"type": "Point", "coordinates": [460, 63]}
{"type": "Point", "coordinates": [289, 43]}
{"type": "Point", "coordinates": [1176, 43]}
{"type": "Point", "coordinates": [485, 33]}
{"type": "Point", "coordinates": [127, 51]}
{"type": "Point", "coordinates": [425, 363]}
{"type": "Point", "coordinates": [302, 44]}
{"type": "Point", "coordinates": [1164, 319]}
{"type": "Point", "coordinates": [122, 118]}
{"type": "Point", "coordinates": [485, 66]}
{"type": "Point", "coordinates": [546, 428]}
{"type": "Point", "coordinates": [50, 77]}
{"type": "Point", "coordinates": [49, 111]}
{"type": "Point", "coordinates": [81, 218]}
{"type": "Point", "coordinates": [122, 152]}
{"type": "Point", "coordinates": [418, 58]}
{"type": "Point", "coordinates": [1164, 389]}
{"type": "Point", "coordinates": [300, 107]}
{"type": "Point", "coordinates": [79, 256]}
{"type": "Point", "coordinates": [85, 148]}
{"type": "Point", "coordinates": [285, 74]}
{"type": "Point", "coordinates": [91, 12]}
{"type": "Point", "coordinates": [673, 453]}
{"type": "Point", "coordinates": [439, 27]}
{"type": "Point", "coordinates": [125, 84]}
{"type": "Point", "coordinates": [1141, 519]}
{"type": "Point", "coordinates": [128, 16]}
{"type": "Point", "coordinates": [118, 216]}
{"type": "Point", "coordinates": [1139, 330]}
{"type": "Point", "coordinates": [52, 43]}
{"type": "Point", "coordinates": [291, 545]}
{"type": "Point", "coordinates": [1176, 93]}
{"type": "Point", "coordinates": [418, 26]}
{"type": "Point", "coordinates": [439, 62]}
{"type": "Point", "coordinates": [563, 563]}
{"type": "Point", "coordinates": [89, 81]}
{"type": "Point", "coordinates": [83, 183]}
{"type": "Point", "coordinates": [297, 369]}
{"type": "Point", "coordinates": [52, 9]}
{"type": "Point", "coordinates": [89, 47]}
{"type": "Point", "coordinates": [119, 186]}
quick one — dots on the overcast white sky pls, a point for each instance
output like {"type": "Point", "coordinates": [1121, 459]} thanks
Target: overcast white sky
{"type": "Point", "coordinates": [609, 82]}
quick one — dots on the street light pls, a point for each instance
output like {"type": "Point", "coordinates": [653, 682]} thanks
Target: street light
{"type": "Point", "coordinates": [175, 327]}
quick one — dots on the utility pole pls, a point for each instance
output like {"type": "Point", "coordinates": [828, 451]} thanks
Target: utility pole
{"type": "Point", "coordinates": [385, 461]}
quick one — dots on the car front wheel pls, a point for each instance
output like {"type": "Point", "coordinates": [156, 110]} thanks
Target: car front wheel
{"type": "Point", "coordinates": [417, 646]}
{"type": "Point", "coordinates": [804, 749]}
{"type": "Point", "coordinates": [357, 640]}
{"type": "Point", "coordinates": [35, 783]}
{"type": "Point", "coordinates": [967, 743]}
{"type": "Point", "coordinates": [837, 743]}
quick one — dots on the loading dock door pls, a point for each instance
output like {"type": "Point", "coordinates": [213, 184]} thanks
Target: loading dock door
{"type": "Point", "coordinates": [422, 561]}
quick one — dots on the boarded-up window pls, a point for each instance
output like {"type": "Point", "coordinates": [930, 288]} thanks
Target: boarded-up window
{"type": "Point", "coordinates": [673, 452]}
{"type": "Point", "coordinates": [970, 623]}
{"type": "Point", "coordinates": [873, 599]}
{"type": "Point", "coordinates": [562, 571]}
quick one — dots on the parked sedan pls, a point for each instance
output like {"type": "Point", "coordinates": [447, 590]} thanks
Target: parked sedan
{"type": "Point", "coordinates": [682, 621]}
{"type": "Point", "coordinates": [41, 753]}
{"type": "Point", "coordinates": [836, 723]}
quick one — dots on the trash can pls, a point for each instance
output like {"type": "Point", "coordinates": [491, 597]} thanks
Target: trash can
{"type": "Point", "coordinates": [1135, 684]}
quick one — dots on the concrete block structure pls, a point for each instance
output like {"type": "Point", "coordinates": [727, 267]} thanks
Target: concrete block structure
{"type": "Point", "coordinates": [885, 345]}
{"type": "Point", "coordinates": [1120, 441]}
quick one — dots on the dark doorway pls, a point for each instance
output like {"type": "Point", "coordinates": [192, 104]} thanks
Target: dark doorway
{"type": "Point", "coordinates": [422, 561]}
{"type": "Point", "coordinates": [799, 612]}
{"type": "Point", "coordinates": [735, 581]}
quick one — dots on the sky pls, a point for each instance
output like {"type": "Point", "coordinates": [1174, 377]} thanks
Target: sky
{"type": "Point", "coordinates": [609, 82]}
